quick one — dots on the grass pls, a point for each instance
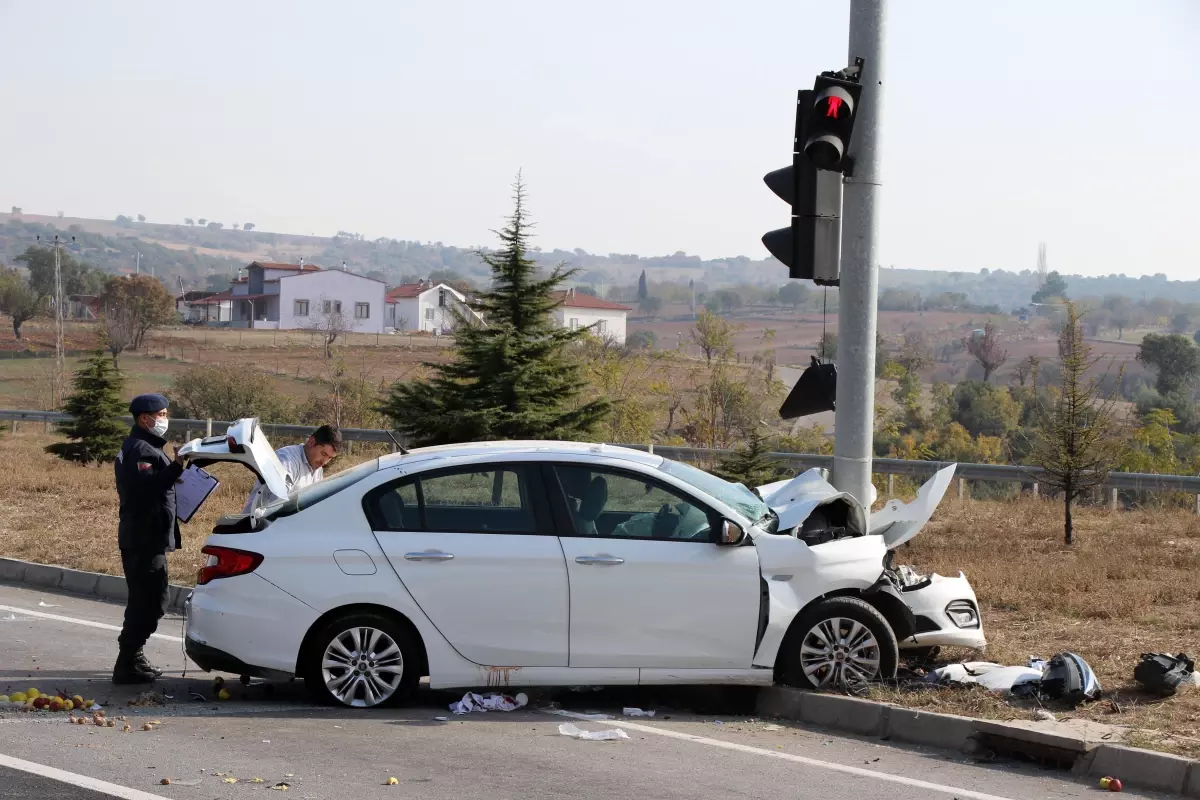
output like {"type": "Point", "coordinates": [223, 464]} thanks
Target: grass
{"type": "Point", "coordinates": [1128, 586]}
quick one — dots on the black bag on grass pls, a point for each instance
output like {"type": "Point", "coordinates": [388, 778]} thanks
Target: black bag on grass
{"type": "Point", "coordinates": [1162, 674]}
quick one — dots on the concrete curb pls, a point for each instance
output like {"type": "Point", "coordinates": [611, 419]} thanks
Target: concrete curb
{"type": "Point", "coordinates": [1088, 759]}
{"type": "Point", "coordinates": [73, 581]}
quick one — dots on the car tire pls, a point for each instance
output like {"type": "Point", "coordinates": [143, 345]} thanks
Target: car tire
{"type": "Point", "coordinates": [863, 649]}
{"type": "Point", "coordinates": [352, 661]}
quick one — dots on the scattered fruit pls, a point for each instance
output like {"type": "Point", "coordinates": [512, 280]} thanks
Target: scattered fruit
{"type": "Point", "coordinates": [18, 697]}
{"type": "Point", "coordinates": [165, 782]}
{"type": "Point", "coordinates": [82, 720]}
{"type": "Point", "coordinates": [78, 701]}
{"type": "Point", "coordinates": [33, 694]}
{"type": "Point", "coordinates": [147, 727]}
{"type": "Point", "coordinates": [40, 703]}
{"type": "Point", "coordinates": [231, 780]}
{"type": "Point", "coordinates": [224, 694]}
{"type": "Point", "coordinates": [392, 782]}
{"type": "Point", "coordinates": [257, 780]}
{"type": "Point", "coordinates": [110, 724]}
{"type": "Point", "coordinates": [68, 705]}
{"type": "Point", "coordinates": [99, 723]}
{"type": "Point", "coordinates": [128, 727]}
{"type": "Point", "coordinates": [4, 698]}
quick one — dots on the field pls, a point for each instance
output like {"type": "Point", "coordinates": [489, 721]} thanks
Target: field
{"type": "Point", "coordinates": [1128, 586]}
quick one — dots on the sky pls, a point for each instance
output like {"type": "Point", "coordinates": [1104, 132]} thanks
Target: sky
{"type": "Point", "coordinates": [639, 126]}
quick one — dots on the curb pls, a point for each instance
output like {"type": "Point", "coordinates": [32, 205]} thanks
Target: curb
{"type": "Point", "coordinates": [88, 584]}
{"type": "Point", "coordinates": [1135, 767]}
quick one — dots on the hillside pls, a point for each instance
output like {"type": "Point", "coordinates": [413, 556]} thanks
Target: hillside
{"type": "Point", "coordinates": [206, 254]}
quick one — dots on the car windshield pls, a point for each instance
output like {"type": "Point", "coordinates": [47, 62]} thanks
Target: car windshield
{"type": "Point", "coordinates": [314, 493]}
{"type": "Point", "coordinates": [733, 495]}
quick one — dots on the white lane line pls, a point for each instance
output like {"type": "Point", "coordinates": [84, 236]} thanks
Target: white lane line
{"type": "Point", "coordinates": [82, 781]}
{"type": "Point", "coordinates": [961, 794]}
{"type": "Point", "coordinates": [104, 626]}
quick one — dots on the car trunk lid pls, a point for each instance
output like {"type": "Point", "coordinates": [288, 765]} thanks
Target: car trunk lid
{"type": "Point", "coordinates": [243, 443]}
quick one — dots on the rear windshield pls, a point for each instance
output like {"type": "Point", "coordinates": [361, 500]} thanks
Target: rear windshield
{"type": "Point", "coordinates": [310, 495]}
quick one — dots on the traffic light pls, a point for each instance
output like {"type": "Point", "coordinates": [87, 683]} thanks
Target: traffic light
{"type": "Point", "coordinates": [811, 245]}
{"type": "Point", "coordinates": [831, 122]}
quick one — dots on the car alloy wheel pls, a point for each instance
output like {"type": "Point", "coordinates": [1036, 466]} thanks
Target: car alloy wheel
{"type": "Point", "coordinates": [839, 651]}
{"type": "Point", "coordinates": [363, 659]}
{"type": "Point", "coordinates": [837, 642]}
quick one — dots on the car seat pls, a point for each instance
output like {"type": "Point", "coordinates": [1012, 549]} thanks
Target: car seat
{"type": "Point", "coordinates": [591, 506]}
{"type": "Point", "coordinates": [391, 506]}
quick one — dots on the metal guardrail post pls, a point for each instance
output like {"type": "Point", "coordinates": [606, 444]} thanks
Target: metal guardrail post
{"type": "Point", "coordinates": [1115, 496]}
{"type": "Point", "coordinates": [208, 427]}
{"type": "Point", "coordinates": [891, 485]}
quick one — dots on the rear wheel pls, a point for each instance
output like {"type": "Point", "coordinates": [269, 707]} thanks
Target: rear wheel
{"type": "Point", "coordinates": [838, 642]}
{"type": "Point", "coordinates": [362, 660]}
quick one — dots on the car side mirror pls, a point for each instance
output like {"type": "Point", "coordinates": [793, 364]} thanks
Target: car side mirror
{"type": "Point", "coordinates": [731, 534]}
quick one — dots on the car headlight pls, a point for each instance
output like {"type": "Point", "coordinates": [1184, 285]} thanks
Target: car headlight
{"type": "Point", "coordinates": [963, 614]}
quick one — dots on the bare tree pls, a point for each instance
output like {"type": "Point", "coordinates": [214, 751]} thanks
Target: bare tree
{"type": "Point", "coordinates": [121, 327]}
{"type": "Point", "coordinates": [986, 350]}
{"type": "Point", "coordinates": [329, 323]}
{"type": "Point", "coordinates": [1077, 430]}
{"type": "Point", "coordinates": [1025, 367]}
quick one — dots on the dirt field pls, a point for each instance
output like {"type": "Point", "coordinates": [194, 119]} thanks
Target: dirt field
{"type": "Point", "coordinates": [1128, 586]}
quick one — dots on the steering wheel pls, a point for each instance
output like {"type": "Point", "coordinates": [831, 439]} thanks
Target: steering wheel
{"type": "Point", "coordinates": [666, 522]}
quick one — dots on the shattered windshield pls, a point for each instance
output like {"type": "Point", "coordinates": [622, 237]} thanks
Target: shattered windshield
{"type": "Point", "coordinates": [733, 495]}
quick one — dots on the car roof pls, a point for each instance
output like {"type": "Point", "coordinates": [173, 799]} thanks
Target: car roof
{"type": "Point", "coordinates": [500, 449]}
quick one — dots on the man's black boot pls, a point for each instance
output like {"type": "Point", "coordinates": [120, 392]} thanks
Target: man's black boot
{"type": "Point", "coordinates": [126, 670]}
{"type": "Point", "coordinates": [144, 665]}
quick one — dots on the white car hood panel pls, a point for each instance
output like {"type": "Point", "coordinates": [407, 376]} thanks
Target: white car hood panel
{"type": "Point", "coordinates": [898, 522]}
{"type": "Point", "coordinates": [255, 453]}
{"type": "Point", "coordinates": [793, 500]}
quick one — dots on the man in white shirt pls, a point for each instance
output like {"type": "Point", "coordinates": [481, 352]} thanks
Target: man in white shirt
{"type": "Point", "coordinates": [303, 464]}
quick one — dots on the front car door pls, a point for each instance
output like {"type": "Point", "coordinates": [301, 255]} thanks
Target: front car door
{"type": "Point", "coordinates": [475, 547]}
{"type": "Point", "coordinates": [650, 588]}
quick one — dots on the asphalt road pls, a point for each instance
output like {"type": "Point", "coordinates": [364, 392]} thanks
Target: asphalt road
{"type": "Point", "coordinates": [269, 733]}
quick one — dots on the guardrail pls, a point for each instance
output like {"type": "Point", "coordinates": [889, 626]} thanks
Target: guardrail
{"type": "Point", "coordinates": [992, 473]}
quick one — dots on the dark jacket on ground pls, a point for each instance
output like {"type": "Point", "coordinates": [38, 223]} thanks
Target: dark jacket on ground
{"type": "Point", "coordinates": [146, 486]}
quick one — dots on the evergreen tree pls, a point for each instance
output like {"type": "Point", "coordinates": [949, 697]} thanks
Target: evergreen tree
{"type": "Point", "coordinates": [95, 407]}
{"type": "Point", "coordinates": [513, 376]}
{"type": "Point", "coordinates": [750, 464]}
{"type": "Point", "coordinates": [643, 289]}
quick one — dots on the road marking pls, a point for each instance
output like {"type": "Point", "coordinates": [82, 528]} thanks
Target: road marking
{"type": "Point", "coordinates": [82, 781]}
{"type": "Point", "coordinates": [961, 794]}
{"type": "Point", "coordinates": [104, 626]}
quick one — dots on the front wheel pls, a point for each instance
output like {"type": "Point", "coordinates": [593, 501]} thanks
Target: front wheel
{"type": "Point", "coordinates": [839, 642]}
{"type": "Point", "coordinates": [362, 660]}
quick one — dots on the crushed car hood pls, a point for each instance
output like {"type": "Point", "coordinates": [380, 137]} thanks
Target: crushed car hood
{"type": "Point", "coordinates": [795, 499]}
{"type": "Point", "coordinates": [246, 444]}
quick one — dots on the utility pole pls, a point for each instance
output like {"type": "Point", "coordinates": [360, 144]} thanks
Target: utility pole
{"type": "Point", "coordinates": [854, 417]}
{"type": "Point", "coordinates": [137, 265]}
{"type": "Point", "coordinates": [59, 354]}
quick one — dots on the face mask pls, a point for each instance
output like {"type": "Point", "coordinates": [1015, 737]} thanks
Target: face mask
{"type": "Point", "coordinates": [160, 427]}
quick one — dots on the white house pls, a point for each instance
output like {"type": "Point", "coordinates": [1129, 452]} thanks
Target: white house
{"type": "Point", "coordinates": [299, 296]}
{"type": "Point", "coordinates": [427, 307]}
{"type": "Point", "coordinates": [605, 317]}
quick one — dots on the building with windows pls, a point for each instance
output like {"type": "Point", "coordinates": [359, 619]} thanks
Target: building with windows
{"type": "Point", "coordinates": [426, 306]}
{"type": "Point", "coordinates": [604, 317]}
{"type": "Point", "coordinates": [302, 296]}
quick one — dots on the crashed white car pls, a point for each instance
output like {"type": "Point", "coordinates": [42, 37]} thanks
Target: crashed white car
{"type": "Point", "coordinates": [558, 563]}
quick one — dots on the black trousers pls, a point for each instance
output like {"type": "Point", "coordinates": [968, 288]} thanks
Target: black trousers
{"type": "Point", "coordinates": [146, 577]}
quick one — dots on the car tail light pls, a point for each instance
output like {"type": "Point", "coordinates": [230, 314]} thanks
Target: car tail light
{"type": "Point", "coordinates": [234, 447]}
{"type": "Point", "coordinates": [226, 562]}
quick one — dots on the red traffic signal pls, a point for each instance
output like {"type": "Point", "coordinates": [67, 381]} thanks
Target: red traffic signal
{"type": "Point", "coordinates": [832, 122]}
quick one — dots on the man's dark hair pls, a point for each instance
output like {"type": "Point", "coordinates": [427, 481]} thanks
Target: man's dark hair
{"type": "Point", "coordinates": [328, 434]}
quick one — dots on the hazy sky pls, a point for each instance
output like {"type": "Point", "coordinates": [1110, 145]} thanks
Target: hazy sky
{"type": "Point", "coordinates": [641, 126]}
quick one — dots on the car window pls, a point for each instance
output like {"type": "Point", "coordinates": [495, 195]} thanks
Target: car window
{"type": "Point", "coordinates": [314, 493]}
{"type": "Point", "coordinates": [734, 495]}
{"type": "Point", "coordinates": [469, 500]}
{"type": "Point", "coordinates": [624, 505]}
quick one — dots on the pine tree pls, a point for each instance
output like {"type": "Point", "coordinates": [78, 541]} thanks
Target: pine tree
{"type": "Point", "coordinates": [513, 376]}
{"type": "Point", "coordinates": [750, 464]}
{"type": "Point", "coordinates": [95, 406]}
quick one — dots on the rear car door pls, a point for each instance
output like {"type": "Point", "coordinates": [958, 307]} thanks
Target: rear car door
{"type": "Point", "coordinates": [475, 547]}
{"type": "Point", "coordinates": [650, 588]}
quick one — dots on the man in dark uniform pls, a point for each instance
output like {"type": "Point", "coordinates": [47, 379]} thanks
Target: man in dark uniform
{"type": "Point", "coordinates": [146, 478]}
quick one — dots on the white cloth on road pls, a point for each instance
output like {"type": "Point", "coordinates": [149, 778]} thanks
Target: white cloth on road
{"type": "Point", "coordinates": [298, 474]}
{"type": "Point", "coordinates": [491, 702]}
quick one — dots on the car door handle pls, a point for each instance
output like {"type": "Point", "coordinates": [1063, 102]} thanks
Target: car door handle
{"type": "Point", "coordinates": [601, 560]}
{"type": "Point", "coordinates": [431, 555]}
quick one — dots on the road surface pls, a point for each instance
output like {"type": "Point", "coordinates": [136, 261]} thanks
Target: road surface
{"type": "Point", "coordinates": [269, 733]}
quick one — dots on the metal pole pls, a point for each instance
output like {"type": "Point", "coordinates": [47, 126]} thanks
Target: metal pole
{"type": "Point", "coordinates": [854, 418]}
{"type": "Point", "coordinates": [59, 365]}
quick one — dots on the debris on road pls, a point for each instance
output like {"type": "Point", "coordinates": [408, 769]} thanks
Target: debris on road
{"type": "Point", "coordinates": [44, 604]}
{"type": "Point", "coordinates": [391, 782]}
{"type": "Point", "coordinates": [1162, 674]}
{"type": "Point", "coordinates": [148, 700]}
{"type": "Point", "coordinates": [613, 734]}
{"type": "Point", "coordinates": [1042, 715]}
{"type": "Point", "coordinates": [1066, 678]}
{"type": "Point", "coordinates": [771, 726]}
{"type": "Point", "coordinates": [636, 712]}
{"type": "Point", "coordinates": [281, 786]}
{"type": "Point", "coordinates": [1110, 783]}
{"type": "Point", "coordinates": [472, 702]}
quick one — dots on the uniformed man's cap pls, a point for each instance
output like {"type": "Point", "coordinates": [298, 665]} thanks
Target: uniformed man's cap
{"type": "Point", "coordinates": [148, 404]}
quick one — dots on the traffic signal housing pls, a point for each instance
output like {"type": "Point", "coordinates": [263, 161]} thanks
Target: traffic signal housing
{"type": "Point", "coordinates": [811, 246]}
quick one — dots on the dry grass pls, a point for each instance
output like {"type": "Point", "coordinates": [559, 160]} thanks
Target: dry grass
{"type": "Point", "coordinates": [1129, 585]}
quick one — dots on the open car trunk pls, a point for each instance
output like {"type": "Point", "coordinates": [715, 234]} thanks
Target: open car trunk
{"type": "Point", "coordinates": [246, 444]}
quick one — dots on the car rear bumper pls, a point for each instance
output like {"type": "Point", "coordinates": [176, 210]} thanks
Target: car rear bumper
{"type": "Point", "coordinates": [210, 659]}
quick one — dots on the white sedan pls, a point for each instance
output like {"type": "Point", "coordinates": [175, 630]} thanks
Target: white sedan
{"type": "Point", "coordinates": [559, 564]}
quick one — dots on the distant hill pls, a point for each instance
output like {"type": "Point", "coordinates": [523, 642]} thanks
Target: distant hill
{"type": "Point", "coordinates": [207, 255]}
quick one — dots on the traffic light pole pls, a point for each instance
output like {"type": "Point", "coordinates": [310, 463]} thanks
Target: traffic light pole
{"type": "Point", "coordinates": [858, 293]}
